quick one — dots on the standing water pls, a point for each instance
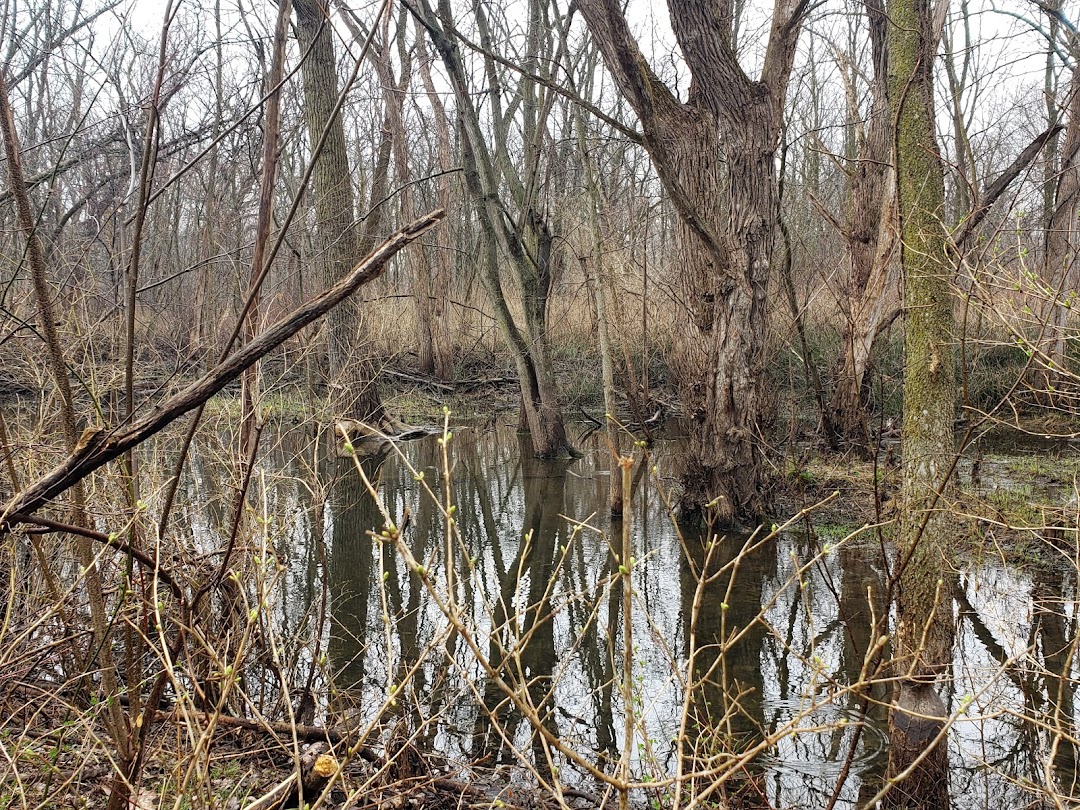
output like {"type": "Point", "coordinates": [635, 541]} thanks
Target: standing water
{"type": "Point", "coordinates": [754, 656]}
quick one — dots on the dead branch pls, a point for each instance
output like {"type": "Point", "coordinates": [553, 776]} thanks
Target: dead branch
{"type": "Point", "coordinates": [106, 445]}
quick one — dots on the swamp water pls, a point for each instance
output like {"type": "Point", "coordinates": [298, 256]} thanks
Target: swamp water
{"type": "Point", "coordinates": [536, 584]}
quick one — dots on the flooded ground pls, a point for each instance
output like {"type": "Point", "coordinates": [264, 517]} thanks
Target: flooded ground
{"type": "Point", "coordinates": [777, 648]}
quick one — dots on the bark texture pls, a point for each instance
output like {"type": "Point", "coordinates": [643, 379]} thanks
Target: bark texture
{"type": "Point", "coordinates": [925, 633]}
{"type": "Point", "coordinates": [337, 239]}
{"type": "Point", "coordinates": [871, 241]}
{"type": "Point", "coordinates": [715, 154]}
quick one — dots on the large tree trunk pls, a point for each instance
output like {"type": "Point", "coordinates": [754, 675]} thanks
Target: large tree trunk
{"type": "Point", "coordinates": [925, 632]}
{"type": "Point", "coordinates": [351, 376]}
{"type": "Point", "coordinates": [718, 352]}
{"type": "Point", "coordinates": [715, 155]}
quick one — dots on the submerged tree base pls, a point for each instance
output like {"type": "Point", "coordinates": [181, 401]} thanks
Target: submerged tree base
{"type": "Point", "coordinates": [722, 501]}
{"type": "Point", "coordinates": [918, 755]}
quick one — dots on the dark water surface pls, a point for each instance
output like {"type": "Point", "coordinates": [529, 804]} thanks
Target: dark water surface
{"type": "Point", "coordinates": [546, 613]}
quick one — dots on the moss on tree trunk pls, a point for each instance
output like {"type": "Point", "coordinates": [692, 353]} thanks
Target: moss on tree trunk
{"type": "Point", "coordinates": [925, 632]}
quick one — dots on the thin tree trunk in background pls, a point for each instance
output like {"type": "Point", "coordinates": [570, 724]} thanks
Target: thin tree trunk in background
{"type": "Point", "coordinates": [966, 184]}
{"type": "Point", "coordinates": [271, 125]}
{"type": "Point", "coordinates": [526, 243]}
{"type": "Point", "coordinates": [924, 635]}
{"type": "Point", "coordinates": [200, 333]}
{"type": "Point", "coordinates": [1062, 242]}
{"type": "Point", "coordinates": [1053, 117]}
{"type": "Point", "coordinates": [394, 92]}
{"type": "Point", "coordinates": [871, 238]}
{"type": "Point", "coordinates": [597, 282]}
{"type": "Point", "coordinates": [352, 388]}
{"type": "Point", "coordinates": [442, 257]}
{"type": "Point", "coordinates": [600, 283]}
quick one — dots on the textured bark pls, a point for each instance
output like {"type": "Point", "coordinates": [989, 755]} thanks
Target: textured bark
{"type": "Point", "coordinates": [925, 632]}
{"type": "Point", "coordinates": [715, 156]}
{"type": "Point", "coordinates": [871, 240]}
{"type": "Point", "coordinates": [351, 377]}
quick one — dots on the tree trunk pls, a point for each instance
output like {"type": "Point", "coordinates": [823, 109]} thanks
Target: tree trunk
{"type": "Point", "coordinates": [352, 387]}
{"type": "Point", "coordinates": [442, 256]}
{"type": "Point", "coordinates": [597, 282]}
{"type": "Point", "coordinates": [718, 353]}
{"type": "Point", "coordinates": [1061, 244]}
{"type": "Point", "coordinates": [870, 237]}
{"type": "Point", "coordinates": [925, 632]}
{"type": "Point", "coordinates": [495, 184]}
{"type": "Point", "coordinates": [715, 156]}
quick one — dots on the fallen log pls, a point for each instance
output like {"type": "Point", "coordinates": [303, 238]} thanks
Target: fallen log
{"type": "Point", "coordinates": [314, 734]}
{"type": "Point", "coordinates": [98, 448]}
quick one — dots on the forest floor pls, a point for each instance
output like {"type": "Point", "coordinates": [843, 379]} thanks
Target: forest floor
{"type": "Point", "coordinates": [252, 770]}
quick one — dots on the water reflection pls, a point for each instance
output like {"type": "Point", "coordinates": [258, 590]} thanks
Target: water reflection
{"type": "Point", "coordinates": [351, 571]}
{"type": "Point", "coordinates": [782, 652]}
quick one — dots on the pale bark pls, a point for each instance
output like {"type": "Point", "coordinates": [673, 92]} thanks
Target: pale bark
{"type": "Point", "coordinates": [871, 240]}
{"type": "Point", "coordinates": [1062, 241]}
{"type": "Point", "coordinates": [597, 281]}
{"type": "Point", "coordinates": [441, 257]}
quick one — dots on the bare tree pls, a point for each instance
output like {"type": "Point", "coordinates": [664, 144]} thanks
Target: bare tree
{"type": "Point", "coordinates": [715, 154]}
{"type": "Point", "coordinates": [511, 210]}
{"type": "Point", "coordinates": [870, 235]}
{"type": "Point", "coordinates": [338, 240]}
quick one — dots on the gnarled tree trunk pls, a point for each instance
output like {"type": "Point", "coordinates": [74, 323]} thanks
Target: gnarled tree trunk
{"type": "Point", "coordinates": [715, 155]}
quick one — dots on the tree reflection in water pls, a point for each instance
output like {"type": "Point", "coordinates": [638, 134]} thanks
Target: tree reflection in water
{"type": "Point", "coordinates": [547, 614]}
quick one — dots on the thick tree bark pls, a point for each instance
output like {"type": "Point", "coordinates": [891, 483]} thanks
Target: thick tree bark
{"type": "Point", "coordinates": [715, 156]}
{"type": "Point", "coordinates": [718, 357]}
{"type": "Point", "coordinates": [925, 632]}
{"type": "Point", "coordinates": [351, 376]}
